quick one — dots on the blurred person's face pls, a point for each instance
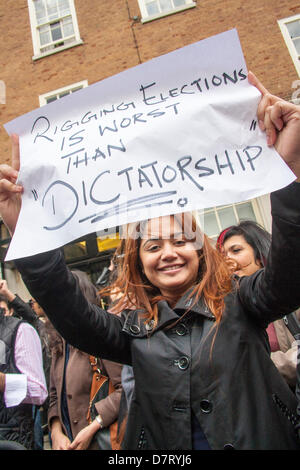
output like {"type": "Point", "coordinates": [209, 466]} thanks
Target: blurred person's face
{"type": "Point", "coordinates": [237, 249]}
{"type": "Point", "coordinates": [8, 312]}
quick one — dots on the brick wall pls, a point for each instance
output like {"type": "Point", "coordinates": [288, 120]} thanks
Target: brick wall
{"type": "Point", "coordinates": [113, 42]}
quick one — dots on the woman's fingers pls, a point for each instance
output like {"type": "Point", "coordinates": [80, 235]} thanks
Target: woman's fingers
{"type": "Point", "coordinates": [9, 173]}
{"type": "Point", "coordinates": [269, 126]}
{"type": "Point", "coordinates": [269, 111]}
{"type": "Point", "coordinates": [253, 80]}
{"type": "Point", "coordinates": [7, 187]}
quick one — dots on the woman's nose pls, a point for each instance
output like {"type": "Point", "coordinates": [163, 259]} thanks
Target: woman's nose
{"type": "Point", "coordinates": [168, 250]}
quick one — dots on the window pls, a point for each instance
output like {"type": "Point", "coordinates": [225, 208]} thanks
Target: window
{"type": "Point", "coordinates": [217, 219]}
{"type": "Point", "coordinates": [152, 9]}
{"type": "Point", "coordinates": [53, 25]}
{"type": "Point", "coordinates": [290, 28]}
{"type": "Point", "coordinates": [61, 92]}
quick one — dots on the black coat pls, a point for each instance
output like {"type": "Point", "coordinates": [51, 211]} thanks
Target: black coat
{"type": "Point", "coordinates": [224, 375]}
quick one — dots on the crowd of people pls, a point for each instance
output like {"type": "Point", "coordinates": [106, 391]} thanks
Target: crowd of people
{"type": "Point", "coordinates": [54, 394]}
{"type": "Point", "coordinates": [191, 339]}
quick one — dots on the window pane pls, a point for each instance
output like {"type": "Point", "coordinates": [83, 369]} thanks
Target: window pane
{"type": "Point", "coordinates": [52, 9]}
{"type": "Point", "coordinates": [294, 28]}
{"type": "Point", "coordinates": [44, 35]}
{"type": "Point", "coordinates": [56, 31]}
{"type": "Point", "coordinates": [67, 27]}
{"type": "Point", "coordinates": [165, 5]}
{"type": "Point", "coordinates": [52, 98]}
{"type": "Point", "coordinates": [65, 93]}
{"type": "Point", "coordinates": [245, 211]}
{"type": "Point", "coordinates": [152, 8]}
{"type": "Point", "coordinates": [75, 250]}
{"type": "Point", "coordinates": [210, 224]}
{"type": "Point", "coordinates": [40, 11]}
{"type": "Point", "coordinates": [227, 217]}
{"type": "Point", "coordinates": [64, 7]}
{"type": "Point", "coordinates": [297, 45]}
{"type": "Point", "coordinates": [178, 3]}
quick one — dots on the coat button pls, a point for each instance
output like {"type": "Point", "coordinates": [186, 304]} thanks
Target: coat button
{"type": "Point", "coordinates": [228, 447]}
{"type": "Point", "coordinates": [135, 329]}
{"type": "Point", "coordinates": [183, 362]}
{"type": "Point", "coordinates": [150, 325]}
{"type": "Point", "coordinates": [181, 329]}
{"type": "Point", "coordinates": [206, 406]}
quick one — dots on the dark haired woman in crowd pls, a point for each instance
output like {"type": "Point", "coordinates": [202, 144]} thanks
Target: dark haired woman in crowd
{"type": "Point", "coordinates": [196, 341]}
{"type": "Point", "coordinates": [248, 244]}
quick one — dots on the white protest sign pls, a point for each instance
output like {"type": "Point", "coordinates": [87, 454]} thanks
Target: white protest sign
{"type": "Point", "coordinates": [175, 134]}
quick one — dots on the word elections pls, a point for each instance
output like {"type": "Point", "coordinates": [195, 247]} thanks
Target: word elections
{"type": "Point", "coordinates": [199, 85]}
{"type": "Point", "coordinates": [151, 96]}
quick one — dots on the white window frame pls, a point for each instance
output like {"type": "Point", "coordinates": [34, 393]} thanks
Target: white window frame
{"type": "Point", "coordinates": [288, 40]}
{"type": "Point", "coordinates": [257, 209]}
{"type": "Point", "coordinates": [71, 88]}
{"type": "Point", "coordinates": [38, 54]}
{"type": "Point", "coordinates": [145, 16]}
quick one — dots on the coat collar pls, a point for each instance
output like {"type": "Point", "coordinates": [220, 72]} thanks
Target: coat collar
{"type": "Point", "coordinates": [186, 303]}
{"type": "Point", "coordinates": [134, 324]}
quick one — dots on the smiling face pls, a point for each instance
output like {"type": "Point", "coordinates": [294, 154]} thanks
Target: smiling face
{"type": "Point", "coordinates": [239, 250]}
{"type": "Point", "coordinates": [170, 261]}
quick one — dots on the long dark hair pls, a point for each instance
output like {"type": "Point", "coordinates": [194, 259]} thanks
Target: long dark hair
{"type": "Point", "coordinates": [254, 234]}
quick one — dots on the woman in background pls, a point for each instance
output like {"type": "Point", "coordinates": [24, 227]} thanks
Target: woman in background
{"type": "Point", "coordinates": [248, 244]}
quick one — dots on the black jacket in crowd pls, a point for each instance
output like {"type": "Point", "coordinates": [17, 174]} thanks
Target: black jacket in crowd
{"type": "Point", "coordinates": [16, 422]}
{"type": "Point", "coordinates": [228, 380]}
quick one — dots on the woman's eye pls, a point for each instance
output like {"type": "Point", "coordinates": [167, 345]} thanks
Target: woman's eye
{"type": "Point", "coordinates": [236, 250]}
{"type": "Point", "coordinates": [179, 242]}
{"type": "Point", "coordinates": [153, 248]}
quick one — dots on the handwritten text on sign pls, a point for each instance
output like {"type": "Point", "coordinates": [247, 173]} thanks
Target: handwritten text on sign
{"type": "Point", "coordinates": [175, 134]}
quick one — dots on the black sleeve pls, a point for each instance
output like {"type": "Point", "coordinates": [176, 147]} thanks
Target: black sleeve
{"type": "Point", "coordinates": [273, 292]}
{"type": "Point", "coordinates": [23, 310]}
{"type": "Point", "coordinates": [85, 326]}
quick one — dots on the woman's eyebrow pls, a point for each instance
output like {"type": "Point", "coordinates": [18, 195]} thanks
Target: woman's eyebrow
{"type": "Point", "coordinates": [149, 240]}
{"type": "Point", "coordinates": [167, 237]}
{"type": "Point", "coordinates": [235, 245]}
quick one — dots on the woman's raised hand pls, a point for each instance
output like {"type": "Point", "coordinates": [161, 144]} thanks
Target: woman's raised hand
{"type": "Point", "coordinates": [10, 192]}
{"type": "Point", "coordinates": [281, 122]}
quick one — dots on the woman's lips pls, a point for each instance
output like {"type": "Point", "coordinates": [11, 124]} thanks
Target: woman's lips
{"type": "Point", "coordinates": [173, 267]}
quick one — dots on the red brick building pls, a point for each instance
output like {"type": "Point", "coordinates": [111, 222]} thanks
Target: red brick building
{"type": "Point", "coordinates": [53, 47]}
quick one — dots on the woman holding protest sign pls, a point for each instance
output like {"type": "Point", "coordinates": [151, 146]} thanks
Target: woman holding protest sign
{"type": "Point", "coordinates": [196, 341]}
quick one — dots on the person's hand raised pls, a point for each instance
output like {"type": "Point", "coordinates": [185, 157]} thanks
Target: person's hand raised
{"type": "Point", "coordinates": [281, 122]}
{"type": "Point", "coordinates": [10, 192]}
